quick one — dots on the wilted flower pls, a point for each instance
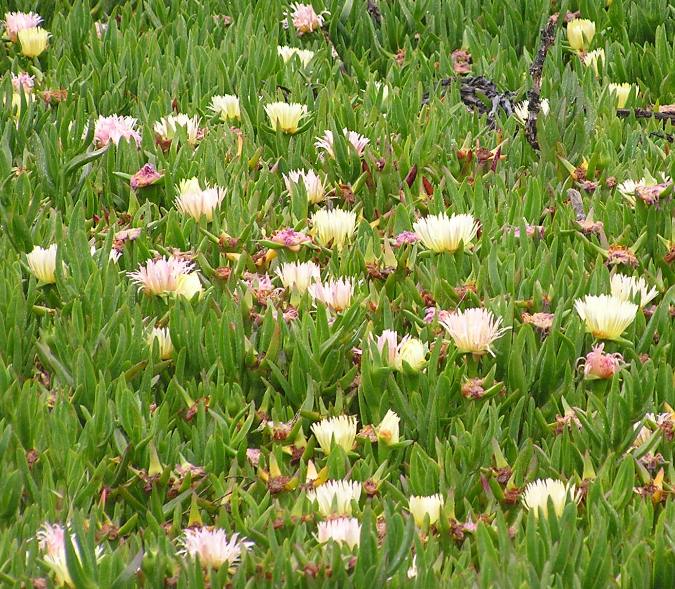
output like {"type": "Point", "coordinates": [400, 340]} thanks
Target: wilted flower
{"type": "Point", "coordinates": [23, 81]}
{"type": "Point", "coordinates": [441, 233]}
{"type": "Point", "coordinates": [387, 431]}
{"type": "Point", "coordinates": [291, 239]}
{"type": "Point", "coordinates": [33, 41]}
{"type": "Point", "coordinates": [284, 116]}
{"type": "Point", "coordinates": [198, 202]}
{"type": "Point", "coordinates": [406, 238]}
{"type": "Point", "coordinates": [167, 128]}
{"type": "Point", "coordinates": [593, 58]}
{"type": "Point", "coordinates": [286, 53]}
{"type": "Point", "coordinates": [304, 18]}
{"type": "Point", "coordinates": [627, 288]}
{"type": "Point", "coordinates": [599, 365]}
{"type": "Point", "coordinates": [166, 276]}
{"type": "Point", "coordinates": [42, 263]}
{"type": "Point", "coordinates": [226, 107]}
{"type": "Point", "coordinates": [333, 227]}
{"type": "Point", "coordinates": [665, 421]}
{"type": "Point", "coordinates": [18, 21]}
{"type": "Point", "coordinates": [312, 182]}
{"type": "Point", "coordinates": [605, 316]}
{"type": "Point", "coordinates": [474, 330]}
{"type": "Point", "coordinates": [421, 506]}
{"type": "Point", "coordinates": [298, 275]}
{"type": "Point", "coordinates": [146, 176]}
{"type": "Point", "coordinates": [580, 33]}
{"type": "Point", "coordinates": [537, 493]}
{"type": "Point", "coordinates": [163, 337]}
{"type": "Point", "coordinates": [212, 546]}
{"type": "Point", "coordinates": [335, 497]}
{"type": "Point", "coordinates": [114, 128]}
{"type": "Point", "coordinates": [335, 294]}
{"type": "Point", "coordinates": [357, 141]}
{"type": "Point", "coordinates": [341, 429]}
{"type": "Point", "coordinates": [520, 110]}
{"type": "Point", "coordinates": [621, 93]}
{"type": "Point", "coordinates": [343, 530]}
{"type": "Point", "coordinates": [648, 188]}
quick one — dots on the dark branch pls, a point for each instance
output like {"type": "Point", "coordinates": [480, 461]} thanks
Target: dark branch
{"type": "Point", "coordinates": [374, 12]}
{"type": "Point", "coordinates": [645, 113]}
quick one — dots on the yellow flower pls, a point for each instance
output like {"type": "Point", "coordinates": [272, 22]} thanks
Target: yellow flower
{"type": "Point", "coordinates": [413, 352]}
{"type": "Point", "coordinates": [226, 107]}
{"type": "Point", "coordinates": [421, 506]}
{"type": "Point", "coordinates": [163, 337]}
{"type": "Point", "coordinates": [580, 32]}
{"type": "Point", "coordinates": [341, 430]}
{"type": "Point", "coordinates": [333, 227]}
{"type": "Point", "coordinates": [621, 93]}
{"type": "Point", "coordinates": [441, 233]}
{"type": "Point", "coordinates": [605, 316]}
{"type": "Point", "coordinates": [42, 263]}
{"type": "Point", "coordinates": [387, 431]}
{"type": "Point", "coordinates": [33, 41]}
{"type": "Point", "coordinates": [537, 494]}
{"type": "Point", "coordinates": [284, 116]}
{"type": "Point", "coordinates": [593, 58]}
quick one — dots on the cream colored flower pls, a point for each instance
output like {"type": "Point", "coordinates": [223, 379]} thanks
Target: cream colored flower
{"type": "Point", "coordinates": [441, 233]}
{"type": "Point", "coordinates": [605, 316]}
{"type": "Point", "coordinates": [33, 41]}
{"type": "Point", "coordinates": [627, 288]}
{"type": "Point", "coordinates": [188, 285]}
{"type": "Point", "coordinates": [335, 497]}
{"type": "Point", "coordinates": [621, 93]}
{"type": "Point", "coordinates": [166, 276]}
{"type": "Point", "coordinates": [473, 330]}
{"type": "Point", "coordinates": [537, 493]}
{"type": "Point", "coordinates": [167, 127]}
{"type": "Point", "coordinates": [333, 227]}
{"type": "Point", "coordinates": [593, 58]}
{"type": "Point", "coordinates": [226, 107]}
{"type": "Point", "coordinates": [325, 143]}
{"type": "Point", "coordinates": [335, 294]}
{"type": "Point", "coordinates": [341, 430]}
{"type": "Point", "coordinates": [520, 110]}
{"type": "Point", "coordinates": [213, 547]}
{"type": "Point", "coordinates": [298, 276]}
{"type": "Point", "coordinates": [304, 18]}
{"type": "Point", "coordinates": [42, 263]}
{"type": "Point", "coordinates": [312, 182]}
{"type": "Point", "coordinates": [163, 337]}
{"type": "Point", "coordinates": [18, 21]}
{"type": "Point", "coordinates": [421, 506]}
{"type": "Point", "coordinates": [284, 116]}
{"type": "Point", "coordinates": [388, 430]}
{"type": "Point", "coordinates": [197, 202]}
{"type": "Point", "coordinates": [304, 55]}
{"type": "Point", "coordinates": [343, 530]}
{"type": "Point", "coordinates": [412, 352]}
{"type": "Point", "coordinates": [580, 33]}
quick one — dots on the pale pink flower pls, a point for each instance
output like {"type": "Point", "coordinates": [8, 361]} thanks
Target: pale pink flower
{"type": "Point", "coordinates": [600, 365]}
{"type": "Point", "coordinates": [213, 547]}
{"type": "Point", "coordinates": [23, 80]}
{"type": "Point", "coordinates": [304, 18]}
{"type": "Point", "coordinates": [335, 294]}
{"type": "Point", "coordinates": [431, 313]}
{"type": "Point", "coordinates": [313, 183]}
{"type": "Point", "coordinates": [18, 21]}
{"type": "Point", "coordinates": [114, 128]}
{"type": "Point", "coordinates": [406, 238]}
{"type": "Point", "coordinates": [359, 142]}
{"type": "Point", "coordinates": [474, 330]}
{"type": "Point", "coordinates": [163, 276]}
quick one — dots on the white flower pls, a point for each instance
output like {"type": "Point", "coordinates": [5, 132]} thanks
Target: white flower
{"type": "Point", "coordinates": [341, 429]}
{"type": "Point", "coordinates": [420, 506]}
{"type": "Point", "coordinates": [335, 497]}
{"type": "Point", "coordinates": [113, 129]}
{"type": "Point", "coordinates": [593, 58]}
{"type": "Point", "coordinates": [333, 227]}
{"type": "Point", "coordinates": [605, 316]}
{"type": "Point", "coordinates": [537, 493]}
{"type": "Point", "coordinates": [358, 142]}
{"type": "Point", "coordinates": [42, 263]}
{"type": "Point", "coordinates": [343, 530]}
{"type": "Point", "coordinates": [312, 182]}
{"type": "Point", "coordinates": [286, 53]}
{"type": "Point", "coordinates": [621, 93]}
{"type": "Point", "coordinates": [441, 233]}
{"type": "Point", "coordinates": [473, 330]}
{"type": "Point", "coordinates": [298, 275]}
{"type": "Point", "coordinates": [167, 128]}
{"type": "Point", "coordinates": [213, 547]}
{"type": "Point", "coordinates": [163, 337]}
{"type": "Point", "coordinates": [627, 288]}
{"type": "Point", "coordinates": [580, 33]}
{"type": "Point", "coordinates": [284, 116]}
{"type": "Point", "coordinates": [198, 202]}
{"type": "Point", "coordinates": [226, 107]}
{"type": "Point", "coordinates": [388, 430]}
{"type": "Point", "coordinates": [520, 110]}
{"type": "Point", "coordinates": [162, 276]}
{"type": "Point", "coordinates": [335, 294]}
{"type": "Point", "coordinates": [304, 18]}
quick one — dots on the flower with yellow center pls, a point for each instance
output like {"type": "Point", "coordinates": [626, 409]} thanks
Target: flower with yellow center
{"type": "Point", "coordinates": [42, 263]}
{"type": "Point", "coordinates": [341, 430]}
{"type": "Point", "coordinates": [197, 202]}
{"type": "Point", "coordinates": [473, 330]}
{"type": "Point", "coordinates": [284, 116]}
{"type": "Point", "coordinates": [226, 107]}
{"type": "Point", "coordinates": [627, 288]}
{"type": "Point", "coordinates": [163, 337]}
{"type": "Point", "coordinates": [593, 58]}
{"type": "Point", "coordinates": [605, 316]}
{"type": "Point", "coordinates": [333, 227]}
{"type": "Point", "coordinates": [441, 233]}
{"type": "Point", "coordinates": [298, 276]}
{"type": "Point", "coordinates": [286, 53]}
{"type": "Point", "coordinates": [343, 530]}
{"type": "Point", "coordinates": [312, 182]}
{"type": "Point", "coordinates": [388, 430]}
{"type": "Point", "coordinates": [33, 41]}
{"type": "Point", "coordinates": [335, 497]}
{"type": "Point", "coordinates": [537, 493]}
{"type": "Point", "coordinates": [580, 33]}
{"type": "Point", "coordinates": [621, 93]}
{"type": "Point", "coordinates": [421, 506]}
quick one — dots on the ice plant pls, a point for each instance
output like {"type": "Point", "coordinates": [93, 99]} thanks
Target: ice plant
{"type": "Point", "coordinates": [406, 238]}
{"type": "Point", "coordinates": [113, 129]}
{"type": "Point", "coordinates": [213, 547]}
{"type": "Point", "coordinates": [286, 53]}
{"type": "Point", "coordinates": [146, 176]}
{"type": "Point", "coordinates": [167, 128]}
{"type": "Point", "coordinates": [291, 239]}
{"type": "Point", "coordinates": [473, 330]}
{"type": "Point", "coordinates": [600, 365]}
{"type": "Point", "coordinates": [621, 93]}
{"type": "Point", "coordinates": [304, 18]}
{"type": "Point", "coordinates": [593, 59]}
{"type": "Point", "coordinates": [388, 339]}
{"type": "Point", "coordinates": [298, 276]}
{"type": "Point", "coordinates": [197, 202]}
{"type": "Point", "coordinates": [358, 142]}
{"type": "Point", "coordinates": [421, 506]}
{"type": "Point", "coordinates": [226, 107]}
{"type": "Point", "coordinates": [335, 497]}
{"type": "Point", "coordinates": [605, 316]}
{"type": "Point", "coordinates": [163, 337]}
{"type": "Point", "coordinates": [333, 227]}
{"type": "Point", "coordinates": [388, 429]}
{"type": "Point", "coordinates": [537, 493]}
{"type": "Point", "coordinates": [341, 430]}
{"type": "Point", "coordinates": [628, 288]}
{"type": "Point", "coordinates": [33, 41]}
{"type": "Point", "coordinates": [520, 110]}
{"type": "Point", "coordinates": [284, 116]}
{"type": "Point", "coordinates": [166, 276]}
{"type": "Point", "coordinates": [42, 263]}
{"type": "Point", "coordinates": [335, 294]}
{"type": "Point", "coordinates": [648, 188]}
{"type": "Point", "coordinates": [19, 21]}
{"type": "Point", "coordinates": [23, 81]}
{"type": "Point", "coordinates": [312, 182]}
{"type": "Point", "coordinates": [441, 233]}
{"type": "Point", "coordinates": [411, 353]}
{"type": "Point", "coordinates": [580, 33]}
{"type": "Point", "coordinates": [343, 530]}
